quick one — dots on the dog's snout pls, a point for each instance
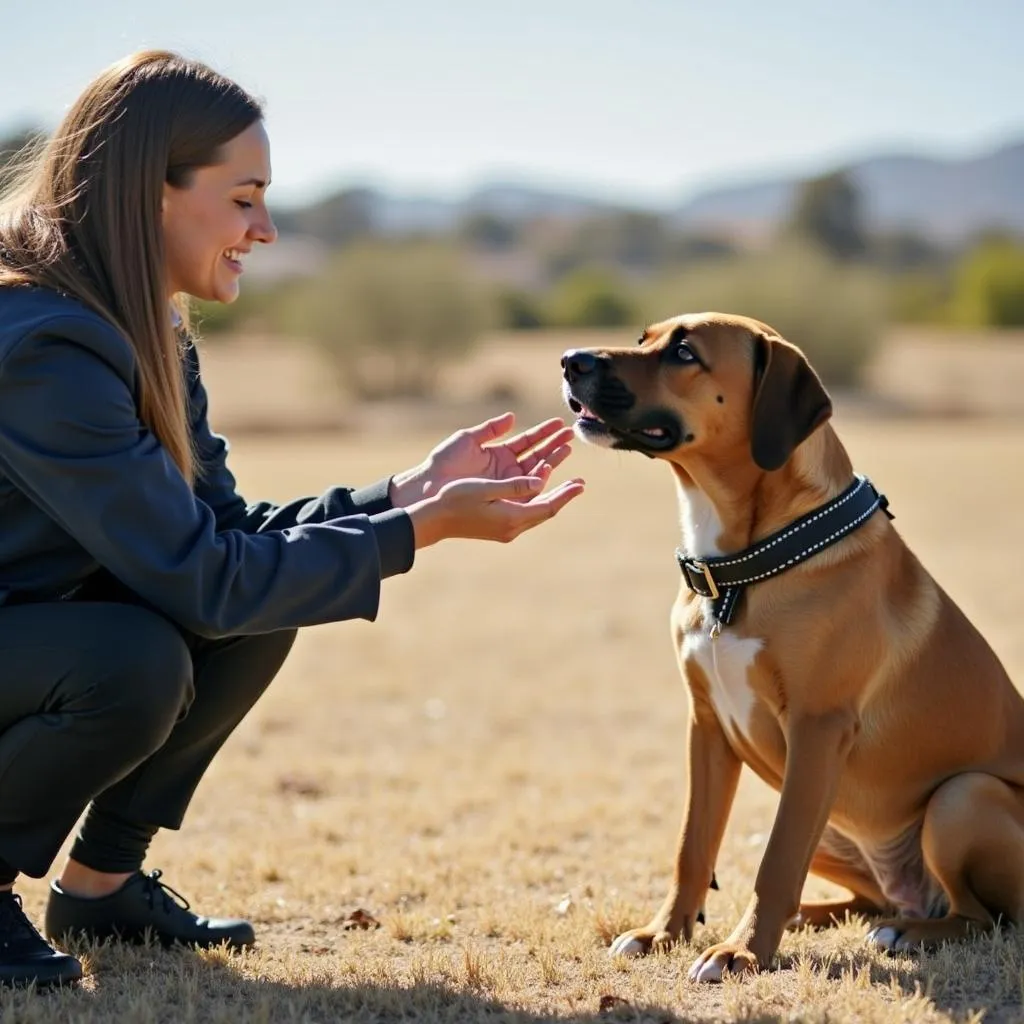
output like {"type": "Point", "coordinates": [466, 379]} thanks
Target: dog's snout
{"type": "Point", "coordinates": [578, 363]}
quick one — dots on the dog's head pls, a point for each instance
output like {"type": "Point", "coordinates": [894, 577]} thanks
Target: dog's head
{"type": "Point", "coordinates": [704, 384]}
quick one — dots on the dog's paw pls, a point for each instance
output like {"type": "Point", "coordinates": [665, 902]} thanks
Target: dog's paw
{"type": "Point", "coordinates": [640, 942]}
{"type": "Point", "coordinates": [911, 934]}
{"type": "Point", "coordinates": [884, 936]}
{"type": "Point", "coordinates": [722, 959]}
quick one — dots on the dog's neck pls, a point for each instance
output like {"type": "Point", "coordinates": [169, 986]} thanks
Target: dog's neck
{"type": "Point", "coordinates": [726, 508]}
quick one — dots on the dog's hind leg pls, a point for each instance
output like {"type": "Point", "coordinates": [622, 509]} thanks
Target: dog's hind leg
{"type": "Point", "coordinates": [837, 860]}
{"type": "Point", "coordinates": [973, 845]}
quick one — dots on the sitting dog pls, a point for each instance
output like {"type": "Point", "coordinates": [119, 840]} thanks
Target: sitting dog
{"type": "Point", "coordinates": [817, 650]}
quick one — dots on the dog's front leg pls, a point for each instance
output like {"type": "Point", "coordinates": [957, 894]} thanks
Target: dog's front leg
{"type": "Point", "coordinates": [817, 746]}
{"type": "Point", "coordinates": [714, 771]}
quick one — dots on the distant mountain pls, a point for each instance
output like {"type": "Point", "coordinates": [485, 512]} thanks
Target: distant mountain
{"type": "Point", "coordinates": [357, 210]}
{"type": "Point", "coordinates": [520, 202]}
{"type": "Point", "coordinates": [945, 200]}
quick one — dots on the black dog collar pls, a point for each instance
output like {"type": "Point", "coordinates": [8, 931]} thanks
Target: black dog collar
{"type": "Point", "coordinates": [723, 579]}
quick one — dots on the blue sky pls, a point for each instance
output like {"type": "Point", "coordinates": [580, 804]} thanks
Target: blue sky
{"type": "Point", "coordinates": [647, 100]}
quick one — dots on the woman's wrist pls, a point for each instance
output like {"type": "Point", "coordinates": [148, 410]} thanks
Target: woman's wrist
{"type": "Point", "coordinates": [429, 522]}
{"type": "Point", "coordinates": [408, 486]}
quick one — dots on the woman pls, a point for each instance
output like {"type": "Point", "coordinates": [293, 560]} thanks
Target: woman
{"type": "Point", "coordinates": [144, 606]}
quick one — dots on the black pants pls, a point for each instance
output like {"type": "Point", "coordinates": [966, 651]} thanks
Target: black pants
{"type": "Point", "coordinates": [109, 702]}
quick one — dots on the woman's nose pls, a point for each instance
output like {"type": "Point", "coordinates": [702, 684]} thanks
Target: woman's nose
{"type": "Point", "coordinates": [264, 230]}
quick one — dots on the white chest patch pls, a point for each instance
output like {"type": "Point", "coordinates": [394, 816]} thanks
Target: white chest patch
{"type": "Point", "coordinates": [726, 662]}
{"type": "Point", "coordinates": [700, 521]}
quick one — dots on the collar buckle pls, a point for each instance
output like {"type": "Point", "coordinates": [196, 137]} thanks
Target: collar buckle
{"type": "Point", "coordinates": [705, 570]}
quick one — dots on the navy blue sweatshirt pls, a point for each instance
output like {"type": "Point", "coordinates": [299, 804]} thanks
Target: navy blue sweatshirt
{"type": "Point", "coordinates": [85, 485]}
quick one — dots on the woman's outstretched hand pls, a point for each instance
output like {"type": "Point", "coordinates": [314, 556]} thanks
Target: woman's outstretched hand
{"type": "Point", "coordinates": [474, 485]}
{"type": "Point", "coordinates": [482, 509]}
{"type": "Point", "coordinates": [476, 453]}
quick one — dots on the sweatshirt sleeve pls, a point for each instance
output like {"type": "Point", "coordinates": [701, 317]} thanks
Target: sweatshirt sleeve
{"type": "Point", "coordinates": [71, 439]}
{"type": "Point", "coordinates": [216, 485]}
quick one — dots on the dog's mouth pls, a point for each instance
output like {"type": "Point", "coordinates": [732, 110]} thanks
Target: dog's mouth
{"type": "Point", "coordinates": [653, 431]}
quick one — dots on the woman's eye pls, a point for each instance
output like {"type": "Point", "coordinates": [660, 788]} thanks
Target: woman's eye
{"type": "Point", "coordinates": [244, 204]}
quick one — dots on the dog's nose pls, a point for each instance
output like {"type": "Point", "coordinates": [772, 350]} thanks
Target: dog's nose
{"type": "Point", "coordinates": [578, 363]}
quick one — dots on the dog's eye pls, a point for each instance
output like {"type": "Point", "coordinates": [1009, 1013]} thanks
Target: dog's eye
{"type": "Point", "coordinates": [685, 354]}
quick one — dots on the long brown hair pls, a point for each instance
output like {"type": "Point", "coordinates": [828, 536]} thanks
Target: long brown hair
{"type": "Point", "coordinates": [84, 214]}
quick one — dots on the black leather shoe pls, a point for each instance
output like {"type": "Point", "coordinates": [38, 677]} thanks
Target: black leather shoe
{"type": "Point", "coordinates": [25, 956]}
{"type": "Point", "coordinates": [144, 907]}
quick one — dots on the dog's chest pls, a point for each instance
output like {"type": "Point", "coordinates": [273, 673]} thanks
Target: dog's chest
{"type": "Point", "coordinates": [725, 663]}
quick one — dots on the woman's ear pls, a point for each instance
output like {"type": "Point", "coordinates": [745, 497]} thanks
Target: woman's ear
{"type": "Point", "coordinates": [790, 402]}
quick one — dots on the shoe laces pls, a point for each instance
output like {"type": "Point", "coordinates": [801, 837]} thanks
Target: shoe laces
{"type": "Point", "coordinates": [15, 927]}
{"type": "Point", "coordinates": [154, 889]}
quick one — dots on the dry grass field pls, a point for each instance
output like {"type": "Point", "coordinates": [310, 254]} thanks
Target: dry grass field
{"type": "Point", "coordinates": [493, 771]}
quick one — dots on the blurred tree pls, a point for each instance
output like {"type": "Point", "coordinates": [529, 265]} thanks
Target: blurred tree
{"type": "Point", "coordinates": [488, 231]}
{"type": "Point", "coordinates": [338, 220]}
{"type": "Point", "coordinates": [636, 241]}
{"type": "Point", "coordinates": [631, 239]}
{"type": "Point", "coordinates": [989, 284]}
{"type": "Point", "coordinates": [919, 275]}
{"type": "Point", "coordinates": [389, 316]}
{"type": "Point", "coordinates": [827, 211]}
{"type": "Point", "coordinates": [907, 250]}
{"type": "Point", "coordinates": [519, 309]}
{"type": "Point", "coordinates": [694, 248]}
{"type": "Point", "coordinates": [591, 297]}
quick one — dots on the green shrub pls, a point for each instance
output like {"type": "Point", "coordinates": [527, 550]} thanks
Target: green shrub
{"type": "Point", "coordinates": [519, 310]}
{"type": "Point", "coordinates": [388, 316]}
{"type": "Point", "coordinates": [988, 288]}
{"type": "Point", "coordinates": [591, 297]}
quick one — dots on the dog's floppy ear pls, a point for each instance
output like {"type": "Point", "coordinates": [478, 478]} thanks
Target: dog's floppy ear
{"type": "Point", "coordinates": [790, 402]}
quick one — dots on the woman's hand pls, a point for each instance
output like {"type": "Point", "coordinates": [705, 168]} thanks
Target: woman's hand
{"type": "Point", "coordinates": [483, 509]}
{"type": "Point", "coordinates": [475, 453]}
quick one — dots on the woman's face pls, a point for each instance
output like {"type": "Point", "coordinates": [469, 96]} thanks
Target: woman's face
{"type": "Point", "coordinates": [212, 223]}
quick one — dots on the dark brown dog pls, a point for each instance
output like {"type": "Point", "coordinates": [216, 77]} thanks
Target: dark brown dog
{"type": "Point", "coordinates": [851, 683]}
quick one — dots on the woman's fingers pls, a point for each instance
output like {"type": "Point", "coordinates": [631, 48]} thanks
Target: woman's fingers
{"type": "Point", "coordinates": [555, 439]}
{"type": "Point", "coordinates": [482, 491]}
{"type": "Point", "coordinates": [531, 438]}
{"type": "Point", "coordinates": [560, 496]}
{"type": "Point", "coordinates": [491, 429]}
{"type": "Point", "coordinates": [503, 509]}
{"type": "Point", "coordinates": [552, 459]}
{"type": "Point", "coordinates": [532, 513]}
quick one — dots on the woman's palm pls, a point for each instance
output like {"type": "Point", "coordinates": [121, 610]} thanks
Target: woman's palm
{"type": "Point", "coordinates": [476, 453]}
